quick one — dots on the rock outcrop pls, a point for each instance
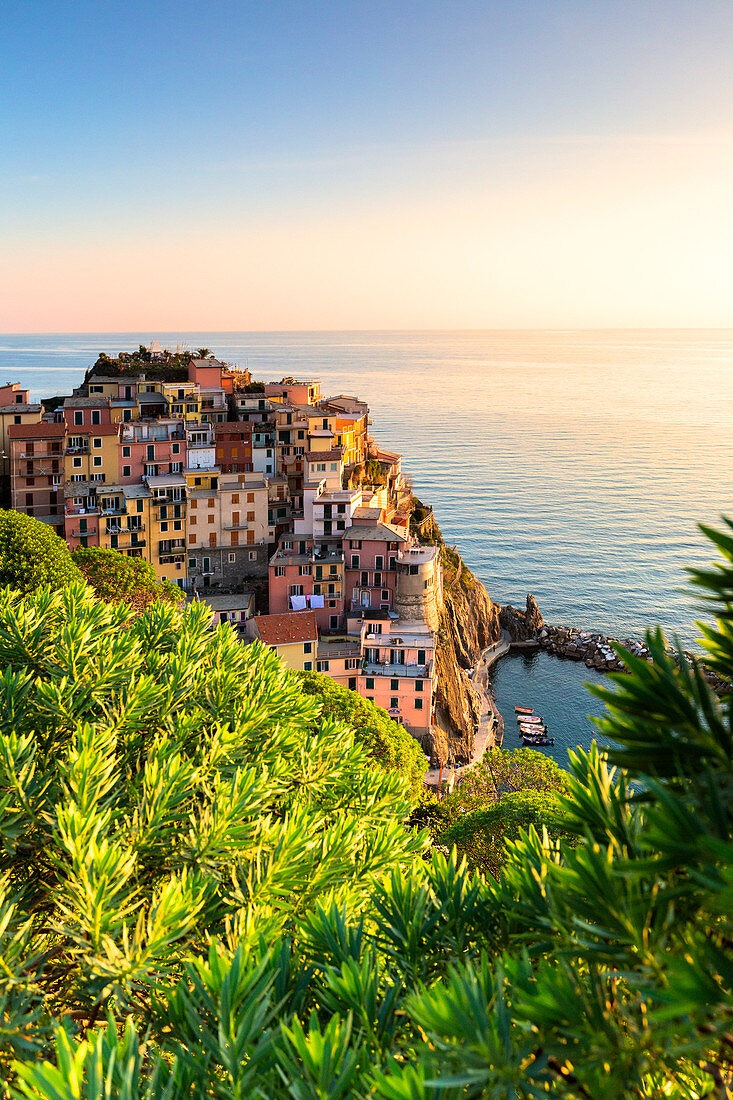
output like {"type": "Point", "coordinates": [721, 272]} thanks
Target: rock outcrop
{"type": "Point", "coordinates": [522, 626]}
{"type": "Point", "coordinates": [469, 622]}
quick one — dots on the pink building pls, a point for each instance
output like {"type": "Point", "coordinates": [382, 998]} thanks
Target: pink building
{"type": "Point", "coordinates": [370, 551]}
{"type": "Point", "coordinates": [301, 575]}
{"type": "Point", "coordinates": [151, 449]}
{"type": "Point", "coordinates": [86, 412]}
{"type": "Point", "coordinates": [398, 670]}
{"type": "Point", "coordinates": [300, 392]}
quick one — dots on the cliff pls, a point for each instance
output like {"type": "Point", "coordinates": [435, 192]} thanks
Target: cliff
{"type": "Point", "coordinates": [469, 622]}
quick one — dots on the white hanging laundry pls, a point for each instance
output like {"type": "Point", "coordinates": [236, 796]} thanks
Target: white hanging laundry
{"type": "Point", "coordinates": [297, 603]}
{"type": "Point", "coordinates": [317, 601]}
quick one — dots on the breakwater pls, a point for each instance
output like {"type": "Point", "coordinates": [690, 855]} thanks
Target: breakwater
{"type": "Point", "coordinates": [596, 651]}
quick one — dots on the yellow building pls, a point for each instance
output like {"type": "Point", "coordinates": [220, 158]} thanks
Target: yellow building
{"type": "Point", "coordinates": [293, 636]}
{"type": "Point", "coordinates": [124, 520]}
{"type": "Point", "coordinates": [168, 526]}
{"type": "Point", "coordinates": [92, 454]}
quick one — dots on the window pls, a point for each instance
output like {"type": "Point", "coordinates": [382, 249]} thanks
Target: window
{"type": "Point", "coordinates": [78, 417]}
{"type": "Point", "coordinates": [369, 683]}
{"type": "Point", "coordinates": [192, 539]}
{"type": "Point", "coordinates": [418, 704]}
{"type": "Point", "coordinates": [176, 448]}
{"type": "Point", "coordinates": [231, 558]}
{"type": "Point", "coordinates": [250, 517]}
{"type": "Point", "coordinates": [127, 414]}
{"type": "Point", "coordinates": [307, 647]}
{"type": "Point", "coordinates": [191, 563]}
{"type": "Point", "coordinates": [394, 685]}
{"type": "Point", "coordinates": [177, 525]}
{"type": "Point", "coordinates": [377, 579]}
{"type": "Point", "coordinates": [351, 662]}
{"type": "Point", "coordinates": [365, 578]}
{"type": "Point", "coordinates": [421, 656]}
{"type": "Point", "coordinates": [164, 526]}
{"type": "Point", "coordinates": [279, 570]}
{"type": "Point", "coordinates": [96, 442]}
{"type": "Point", "coordinates": [323, 666]}
{"type": "Point", "coordinates": [126, 471]}
{"type": "Point", "coordinates": [76, 463]}
{"type": "Point", "coordinates": [418, 685]}
{"type": "Point", "coordinates": [253, 555]}
{"type": "Point", "coordinates": [352, 683]}
{"type": "Point", "coordinates": [356, 544]}
{"type": "Point", "coordinates": [139, 505]}
{"type": "Point", "coordinates": [394, 703]}
{"type": "Point", "coordinates": [97, 460]}
{"type": "Point", "coordinates": [307, 666]}
{"type": "Point", "coordinates": [413, 570]}
{"type": "Point", "coordinates": [206, 566]}
{"type": "Point", "coordinates": [296, 590]}
{"type": "Point", "coordinates": [96, 416]}
{"type": "Point", "coordinates": [392, 564]}
{"type": "Point", "coordinates": [17, 419]}
{"type": "Point", "coordinates": [304, 570]}
{"type": "Point", "coordinates": [354, 561]}
{"type": "Point", "coordinates": [125, 452]}
{"type": "Point", "coordinates": [385, 594]}
{"type": "Point", "coordinates": [210, 519]}
{"type": "Point", "coordinates": [96, 389]}
{"type": "Point", "coordinates": [379, 563]}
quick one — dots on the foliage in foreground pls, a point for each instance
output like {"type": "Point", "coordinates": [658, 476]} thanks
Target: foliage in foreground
{"type": "Point", "coordinates": [32, 554]}
{"type": "Point", "coordinates": [386, 741]}
{"type": "Point", "coordinates": [201, 900]}
{"type": "Point", "coordinates": [117, 577]}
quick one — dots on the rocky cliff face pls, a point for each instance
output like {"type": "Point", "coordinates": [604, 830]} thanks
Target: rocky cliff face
{"type": "Point", "coordinates": [469, 622]}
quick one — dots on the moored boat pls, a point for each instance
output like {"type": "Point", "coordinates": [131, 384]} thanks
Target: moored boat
{"type": "Point", "coordinates": [538, 740]}
{"type": "Point", "coordinates": [524, 710]}
{"type": "Point", "coordinates": [530, 719]}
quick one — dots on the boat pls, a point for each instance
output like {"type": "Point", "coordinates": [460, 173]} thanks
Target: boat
{"type": "Point", "coordinates": [524, 710]}
{"type": "Point", "coordinates": [532, 731]}
{"type": "Point", "coordinates": [538, 740]}
{"type": "Point", "coordinates": [530, 720]}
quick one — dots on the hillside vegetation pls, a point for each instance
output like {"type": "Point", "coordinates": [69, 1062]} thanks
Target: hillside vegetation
{"type": "Point", "coordinates": [208, 892]}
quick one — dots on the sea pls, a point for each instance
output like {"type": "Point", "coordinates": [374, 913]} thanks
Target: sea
{"type": "Point", "coordinates": [574, 465]}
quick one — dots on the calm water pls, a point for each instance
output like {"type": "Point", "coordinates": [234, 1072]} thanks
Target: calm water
{"type": "Point", "coordinates": [574, 465]}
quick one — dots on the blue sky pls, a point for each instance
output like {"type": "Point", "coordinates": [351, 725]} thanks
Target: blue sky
{"type": "Point", "coordinates": [132, 129]}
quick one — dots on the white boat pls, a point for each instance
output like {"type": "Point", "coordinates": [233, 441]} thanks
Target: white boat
{"type": "Point", "coordinates": [530, 719]}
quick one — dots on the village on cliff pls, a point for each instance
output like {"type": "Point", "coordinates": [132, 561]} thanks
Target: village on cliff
{"type": "Point", "coordinates": [254, 497]}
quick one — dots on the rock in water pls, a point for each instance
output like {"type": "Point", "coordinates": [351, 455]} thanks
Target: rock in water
{"type": "Point", "coordinates": [522, 626]}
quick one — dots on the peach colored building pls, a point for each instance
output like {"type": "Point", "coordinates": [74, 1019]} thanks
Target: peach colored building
{"type": "Point", "coordinates": [370, 551]}
{"type": "Point", "coordinates": [37, 471]}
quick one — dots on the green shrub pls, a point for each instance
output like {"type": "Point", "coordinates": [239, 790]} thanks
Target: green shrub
{"type": "Point", "coordinates": [206, 892]}
{"type": "Point", "coordinates": [117, 577]}
{"type": "Point", "coordinates": [386, 741]}
{"type": "Point", "coordinates": [32, 554]}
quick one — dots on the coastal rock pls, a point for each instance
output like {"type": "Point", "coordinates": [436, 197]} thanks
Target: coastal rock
{"type": "Point", "coordinates": [469, 623]}
{"type": "Point", "coordinates": [522, 626]}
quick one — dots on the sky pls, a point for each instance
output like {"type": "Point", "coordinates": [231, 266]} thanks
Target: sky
{"type": "Point", "coordinates": [296, 164]}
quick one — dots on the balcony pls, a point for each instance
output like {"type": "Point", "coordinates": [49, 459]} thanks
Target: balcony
{"type": "Point", "coordinates": [172, 559]}
{"type": "Point", "coordinates": [236, 526]}
{"type": "Point", "coordinates": [420, 672]}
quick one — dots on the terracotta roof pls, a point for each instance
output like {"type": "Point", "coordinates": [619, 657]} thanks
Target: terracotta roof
{"type": "Point", "coordinates": [96, 401]}
{"type": "Point", "coordinates": [94, 429]}
{"type": "Point", "coordinates": [19, 408]}
{"type": "Point", "coordinates": [43, 430]}
{"type": "Point", "coordinates": [323, 456]}
{"type": "Point", "coordinates": [293, 626]}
